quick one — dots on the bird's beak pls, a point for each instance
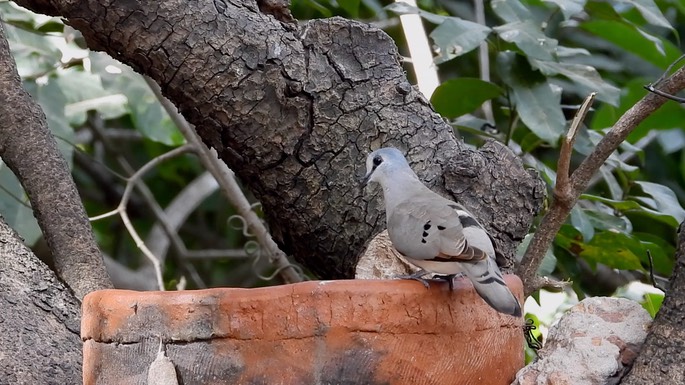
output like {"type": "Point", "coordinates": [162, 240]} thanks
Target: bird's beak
{"type": "Point", "coordinates": [365, 180]}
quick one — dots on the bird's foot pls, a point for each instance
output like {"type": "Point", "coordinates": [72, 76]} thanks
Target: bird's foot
{"type": "Point", "coordinates": [418, 276]}
{"type": "Point", "coordinates": [449, 278]}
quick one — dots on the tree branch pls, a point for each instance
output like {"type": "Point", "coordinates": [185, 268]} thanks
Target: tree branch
{"type": "Point", "coordinates": [294, 110]}
{"type": "Point", "coordinates": [563, 201]}
{"type": "Point", "coordinates": [30, 151]}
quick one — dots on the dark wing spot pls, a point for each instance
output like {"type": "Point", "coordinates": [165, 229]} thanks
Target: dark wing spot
{"type": "Point", "coordinates": [427, 226]}
{"type": "Point", "coordinates": [425, 234]}
{"type": "Point", "coordinates": [468, 221]}
{"type": "Point", "coordinates": [423, 241]}
{"type": "Point", "coordinates": [441, 227]}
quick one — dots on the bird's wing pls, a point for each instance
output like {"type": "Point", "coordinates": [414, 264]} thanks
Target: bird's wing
{"type": "Point", "coordinates": [431, 228]}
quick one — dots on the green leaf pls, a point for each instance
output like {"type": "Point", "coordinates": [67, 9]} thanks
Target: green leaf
{"type": "Point", "coordinates": [350, 6]}
{"type": "Point", "coordinates": [568, 7]}
{"type": "Point", "coordinates": [511, 10]}
{"type": "Point", "coordinates": [585, 76]}
{"type": "Point", "coordinates": [601, 220]}
{"type": "Point", "coordinates": [402, 8]}
{"type": "Point", "coordinates": [529, 38]}
{"type": "Point", "coordinates": [661, 250]}
{"type": "Point", "coordinates": [652, 303]}
{"type": "Point", "coordinates": [649, 10]}
{"type": "Point", "coordinates": [581, 221]}
{"type": "Point", "coordinates": [147, 114]}
{"type": "Point", "coordinates": [633, 207]}
{"type": "Point", "coordinates": [616, 250]}
{"type": "Point", "coordinates": [538, 106]}
{"type": "Point", "coordinates": [664, 199]}
{"type": "Point", "coordinates": [455, 37]}
{"type": "Point", "coordinates": [17, 215]}
{"type": "Point", "coordinates": [653, 49]}
{"type": "Point", "coordinates": [34, 54]}
{"type": "Point", "coordinates": [460, 96]}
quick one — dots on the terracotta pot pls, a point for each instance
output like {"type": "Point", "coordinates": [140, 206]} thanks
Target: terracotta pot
{"type": "Point", "coordinates": [317, 332]}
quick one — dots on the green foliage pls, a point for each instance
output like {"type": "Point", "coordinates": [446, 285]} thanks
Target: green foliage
{"type": "Point", "coordinates": [457, 97]}
{"type": "Point", "coordinates": [87, 97]}
{"type": "Point", "coordinates": [652, 303]}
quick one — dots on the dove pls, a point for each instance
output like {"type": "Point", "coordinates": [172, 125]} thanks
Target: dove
{"type": "Point", "coordinates": [434, 233]}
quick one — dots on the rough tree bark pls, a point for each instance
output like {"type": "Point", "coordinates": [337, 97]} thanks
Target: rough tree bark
{"type": "Point", "coordinates": [39, 319]}
{"type": "Point", "coordinates": [294, 109]}
{"type": "Point", "coordinates": [30, 151]}
{"type": "Point", "coordinates": [662, 359]}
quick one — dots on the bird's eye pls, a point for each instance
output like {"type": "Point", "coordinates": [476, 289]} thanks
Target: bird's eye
{"type": "Point", "coordinates": [377, 160]}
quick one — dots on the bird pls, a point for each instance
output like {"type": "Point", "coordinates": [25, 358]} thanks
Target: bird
{"type": "Point", "coordinates": [434, 233]}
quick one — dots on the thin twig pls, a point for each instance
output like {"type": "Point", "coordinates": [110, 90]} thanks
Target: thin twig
{"type": "Point", "coordinates": [231, 190]}
{"type": "Point", "coordinates": [580, 178]}
{"type": "Point", "coordinates": [148, 197]}
{"type": "Point", "coordinates": [121, 208]}
{"type": "Point", "coordinates": [651, 272]}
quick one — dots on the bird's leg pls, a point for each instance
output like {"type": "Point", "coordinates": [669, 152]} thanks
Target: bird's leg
{"type": "Point", "coordinates": [418, 276]}
{"type": "Point", "coordinates": [449, 278]}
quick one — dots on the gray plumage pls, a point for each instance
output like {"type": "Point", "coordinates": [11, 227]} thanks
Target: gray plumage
{"type": "Point", "coordinates": [437, 234]}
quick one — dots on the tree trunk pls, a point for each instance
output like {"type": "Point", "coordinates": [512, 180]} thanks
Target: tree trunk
{"type": "Point", "coordinates": [662, 359]}
{"type": "Point", "coordinates": [28, 148]}
{"type": "Point", "coordinates": [39, 319]}
{"type": "Point", "coordinates": [295, 109]}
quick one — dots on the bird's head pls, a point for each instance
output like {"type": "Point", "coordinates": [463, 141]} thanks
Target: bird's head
{"type": "Point", "coordinates": [381, 163]}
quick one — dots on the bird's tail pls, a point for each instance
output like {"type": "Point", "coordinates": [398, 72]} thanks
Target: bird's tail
{"type": "Point", "coordinates": [488, 281]}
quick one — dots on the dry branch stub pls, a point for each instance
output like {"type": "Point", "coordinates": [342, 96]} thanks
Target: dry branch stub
{"type": "Point", "coordinates": [356, 332]}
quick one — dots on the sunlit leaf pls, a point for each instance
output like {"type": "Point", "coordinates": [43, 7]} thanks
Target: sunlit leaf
{"type": "Point", "coordinates": [455, 37]}
{"type": "Point", "coordinates": [148, 116]}
{"type": "Point", "coordinates": [529, 38]}
{"type": "Point", "coordinates": [652, 303]}
{"type": "Point", "coordinates": [402, 8]}
{"type": "Point", "coordinates": [34, 54]}
{"type": "Point", "coordinates": [568, 7]}
{"type": "Point", "coordinates": [460, 96]}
